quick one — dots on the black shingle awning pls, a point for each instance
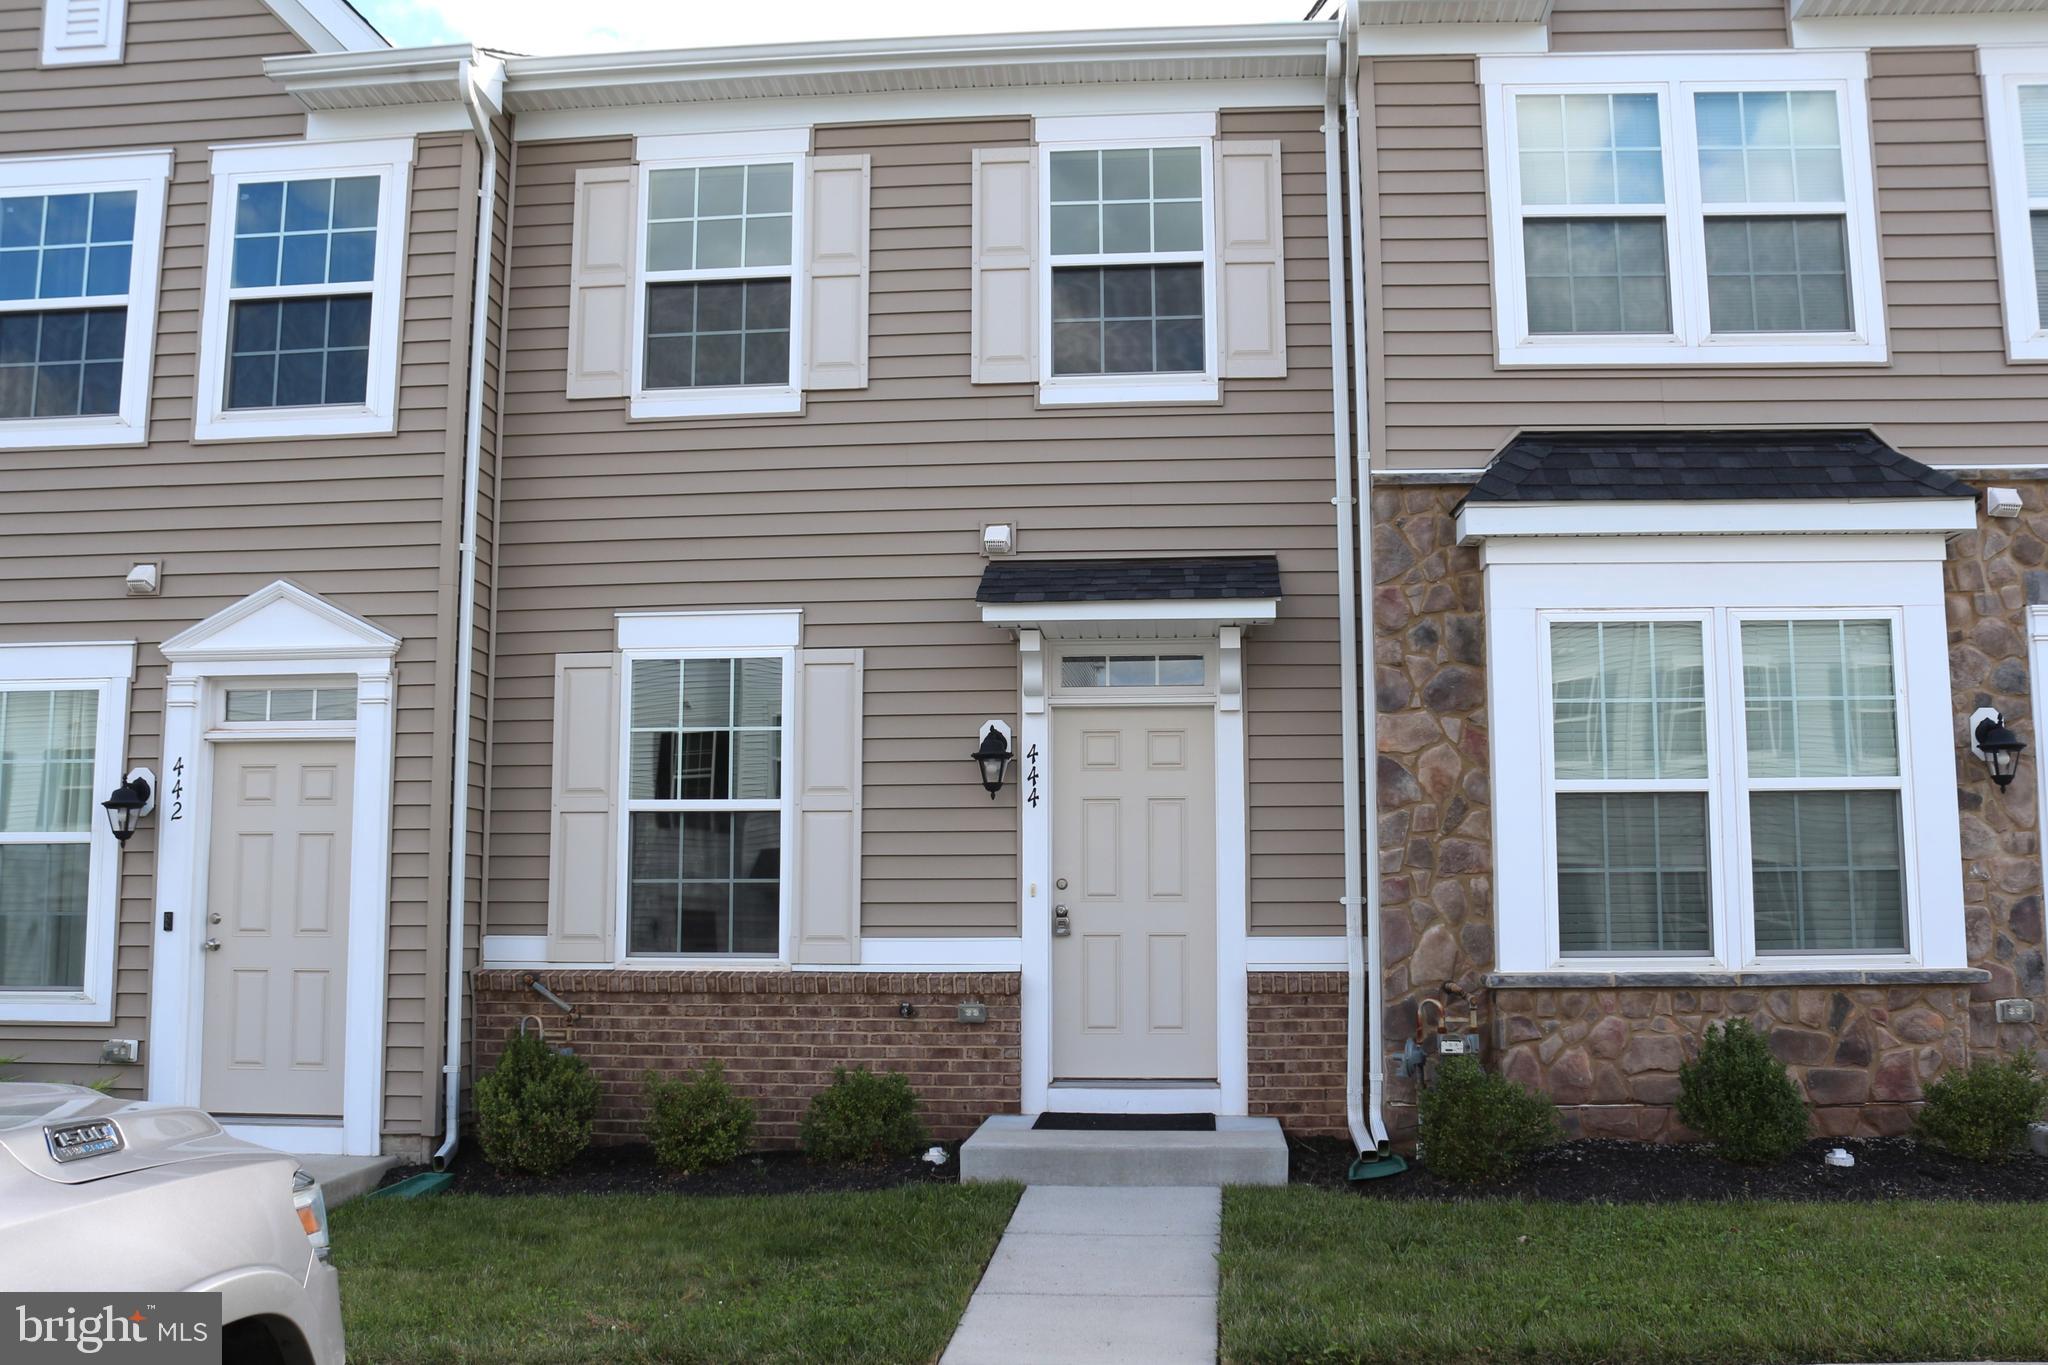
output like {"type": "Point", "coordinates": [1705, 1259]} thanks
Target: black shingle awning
{"type": "Point", "coordinates": [1227, 578]}
{"type": "Point", "coordinates": [1690, 466]}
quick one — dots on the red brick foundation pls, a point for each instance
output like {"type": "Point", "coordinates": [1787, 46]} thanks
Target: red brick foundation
{"type": "Point", "coordinates": [780, 1034]}
{"type": "Point", "coordinates": [1295, 1025]}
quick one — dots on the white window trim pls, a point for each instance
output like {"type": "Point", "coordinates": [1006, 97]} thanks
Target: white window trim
{"type": "Point", "coordinates": [390, 159]}
{"type": "Point", "coordinates": [1530, 583]}
{"type": "Point", "coordinates": [1108, 133]}
{"type": "Point", "coordinates": [106, 669]}
{"type": "Point", "coordinates": [1674, 79]}
{"type": "Point", "coordinates": [2005, 70]}
{"type": "Point", "coordinates": [738, 399]}
{"type": "Point", "coordinates": [708, 635]}
{"type": "Point", "coordinates": [146, 173]}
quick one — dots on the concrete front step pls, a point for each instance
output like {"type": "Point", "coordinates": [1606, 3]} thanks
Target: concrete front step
{"type": "Point", "coordinates": [1242, 1151]}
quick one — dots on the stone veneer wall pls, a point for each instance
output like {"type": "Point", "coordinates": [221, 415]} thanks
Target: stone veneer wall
{"type": "Point", "coordinates": [1869, 1047]}
{"type": "Point", "coordinates": [1295, 1027]}
{"type": "Point", "coordinates": [778, 1033]}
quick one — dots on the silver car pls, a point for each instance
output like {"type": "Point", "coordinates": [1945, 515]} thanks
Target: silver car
{"type": "Point", "coordinates": [100, 1195]}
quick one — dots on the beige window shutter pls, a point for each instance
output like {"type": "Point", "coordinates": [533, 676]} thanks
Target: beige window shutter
{"type": "Point", "coordinates": [1251, 287]}
{"type": "Point", "coordinates": [1005, 238]}
{"type": "Point", "coordinates": [828, 806]}
{"type": "Point", "coordinates": [836, 274]}
{"type": "Point", "coordinates": [582, 829]}
{"type": "Point", "coordinates": [601, 282]}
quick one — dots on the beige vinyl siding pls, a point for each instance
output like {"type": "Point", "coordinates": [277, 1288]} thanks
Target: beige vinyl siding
{"type": "Point", "coordinates": [1948, 395]}
{"type": "Point", "coordinates": [359, 520]}
{"type": "Point", "coordinates": [865, 513]}
{"type": "Point", "coordinates": [1665, 25]}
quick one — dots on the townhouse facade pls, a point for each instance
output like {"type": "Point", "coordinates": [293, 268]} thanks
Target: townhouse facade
{"type": "Point", "coordinates": [1133, 571]}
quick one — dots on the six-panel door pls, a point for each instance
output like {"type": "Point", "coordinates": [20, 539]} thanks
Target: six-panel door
{"type": "Point", "coordinates": [1134, 840]}
{"type": "Point", "coordinates": [277, 906]}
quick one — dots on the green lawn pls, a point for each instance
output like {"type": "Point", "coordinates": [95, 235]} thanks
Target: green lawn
{"type": "Point", "coordinates": [877, 1277]}
{"type": "Point", "coordinates": [1324, 1276]}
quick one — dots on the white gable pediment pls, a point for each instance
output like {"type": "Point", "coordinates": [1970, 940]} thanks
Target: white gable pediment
{"type": "Point", "coordinates": [280, 622]}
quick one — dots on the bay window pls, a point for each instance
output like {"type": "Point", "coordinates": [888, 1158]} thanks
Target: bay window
{"type": "Point", "coordinates": [1709, 209]}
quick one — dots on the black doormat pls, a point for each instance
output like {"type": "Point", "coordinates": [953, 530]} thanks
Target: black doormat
{"type": "Point", "coordinates": [1129, 1123]}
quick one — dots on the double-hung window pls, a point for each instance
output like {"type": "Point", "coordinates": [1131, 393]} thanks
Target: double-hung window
{"type": "Point", "coordinates": [720, 305]}
{"type": "Point", "coordinates": [2016, 106]}
{"type": "Point", "coordinates": [708, 806]}
{"type": "Point", "coordinates": [1726, 788]}
{"type": "Point", "coordinates": [304, 288]}
{"type": "Point", "coordinates": [79, 243]}
{"type": "Point", "coordinates": [1712, 209]}
{"type": "Point", "coordinates": [60, 751]}
{"type": "Point", "coordinates": [1128, 300]}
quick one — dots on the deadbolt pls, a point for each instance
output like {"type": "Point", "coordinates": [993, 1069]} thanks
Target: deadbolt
{"type": "Point", "coordinates": [1061, 925]}
{"type": "Point", "coordinates": [1061, 883]}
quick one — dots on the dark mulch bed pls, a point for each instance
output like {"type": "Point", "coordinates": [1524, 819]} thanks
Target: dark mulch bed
{"type": "Point", "coordinates": [630, 1169]}
{"type": "Point", "coordinates": [1605, 1171]}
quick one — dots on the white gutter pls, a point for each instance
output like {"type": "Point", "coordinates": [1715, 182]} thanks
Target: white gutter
{"type": "Point", "coordinates": [1364, 1003]}
{"type": "Point", "coordinates": [465, 669]}
{"type": "Point", "coordinates": [1347, 586]}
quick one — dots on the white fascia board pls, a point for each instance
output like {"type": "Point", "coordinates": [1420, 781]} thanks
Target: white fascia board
{"type": "Point", "coordinates": [390, 78]}
{"type": "Point", "coordinates": [706, 116]}
{"type": "Point", "coordinates": [1848, 516]}
{"type": "Point", "coordinates": [329, 25]}
{"type": "Point", "coordinates": [656, 630]}
{"type": "Point", "coordinates": [1211, 612]}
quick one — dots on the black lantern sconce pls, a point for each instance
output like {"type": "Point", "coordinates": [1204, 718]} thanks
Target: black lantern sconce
{"type": "Point", "coordinates": [994, 756]}
{"type": "Point", "coordinates": [1992, 741]}
{"type": "Point", "coordinates": [132, 800]}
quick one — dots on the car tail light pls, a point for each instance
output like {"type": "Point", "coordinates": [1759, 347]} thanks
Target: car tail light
{"type": "Point", "coordinates": [311, 1204]}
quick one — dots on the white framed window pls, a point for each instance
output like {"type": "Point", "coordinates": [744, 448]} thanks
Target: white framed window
{"type": "Point", "coordinates": [2016, 117]}
{"type": "Point", "coordinates": [63, 720]}
{"type": "Point", "coordinates": [1708, 208]}
{"type": "Point", "coordinates": [718, 303]}
{"type": "Point", "coordinates": [305, 282]}
{"type": "Point", "coordinates": [1722, 743]}
{"type": "Point", "coordinates": [80, 240]}
{"type": "Point", "coordinates": [1127, 298]}
{"type": "Point", "coordinates": [709, 799]}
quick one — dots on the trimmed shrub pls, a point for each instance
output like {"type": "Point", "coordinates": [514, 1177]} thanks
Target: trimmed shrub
{"type": "Point", "coordinates": [698, 1122]}
{"type": "Point", "coordinates": [534, 1110]}
{"type": "Point", "coordinates": [1479, 1126]}
{"type": "Point", "coordinates": [1738, 1096]}
{"type": "Point", "coordinates": [1982, 1112]}
{"type": "Point", "coordinates": [862, 1117]}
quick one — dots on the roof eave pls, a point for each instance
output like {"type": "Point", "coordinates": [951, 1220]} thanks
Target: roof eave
{"type": "Point", "coordinates": [388, 78]}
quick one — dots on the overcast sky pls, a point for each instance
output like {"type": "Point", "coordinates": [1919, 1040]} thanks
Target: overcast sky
{"type": "Point", "coordinates": [557, 26]}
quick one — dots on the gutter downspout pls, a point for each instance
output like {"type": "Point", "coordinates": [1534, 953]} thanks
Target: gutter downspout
{"type": "Point", "coordinates": [1347, 590]}
{"type": "Point", "coordinates": [1364, 1003]}
{"type": "Point", "coordinates": [465, 669]}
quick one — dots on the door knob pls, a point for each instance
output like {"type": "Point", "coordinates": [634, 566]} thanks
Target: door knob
{"type": "Point", "coordinates": [211, 945]}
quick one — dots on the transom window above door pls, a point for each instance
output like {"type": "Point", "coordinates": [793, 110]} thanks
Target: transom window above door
{"type": "Point", "coordinates": [1671, 842]}
{"type": "Point", "coordinates": [1693, 210]}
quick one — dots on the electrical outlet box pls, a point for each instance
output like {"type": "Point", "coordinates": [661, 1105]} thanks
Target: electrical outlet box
{"type": "Point", "coordinates": [2015, 1011]}
{"type": "Point", "coordinates": [121, 1051]}
{"type": "Point", "coordinates": [971, 1012]}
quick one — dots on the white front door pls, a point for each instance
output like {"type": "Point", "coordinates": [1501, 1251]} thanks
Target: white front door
{"type": "Point", "coordinates": [277, 928]}
{"type": "Point", "coordinates": [1134, 863]}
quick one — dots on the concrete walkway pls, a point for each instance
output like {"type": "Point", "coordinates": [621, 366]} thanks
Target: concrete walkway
{"type": "Point", "coordinates": [1122, 1276]}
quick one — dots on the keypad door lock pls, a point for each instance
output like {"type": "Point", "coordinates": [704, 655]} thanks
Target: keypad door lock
{"type": "Point", "coordinates": [1061, 924]}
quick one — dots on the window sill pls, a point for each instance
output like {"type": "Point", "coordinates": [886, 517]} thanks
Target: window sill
{"type": "Point", "coordinates": [1663, 351]}
{"type": "Point", "coordinates": [759, 402]}
{"type": "Point", "coordinates": [1712, 980]}
{"type": "Point", "coordinates": [71, 433]}
{"type": "Point", "coordinates": [52, 1007]}
{"type": "Point", "coordinates": [1060, 393]}
{"type": "Point", "coordinates": [2028, 350]}
{"type": "Point", "coordinates": [274, 424]}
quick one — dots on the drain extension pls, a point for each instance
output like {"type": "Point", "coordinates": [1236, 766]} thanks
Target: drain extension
{"type": "Point", "coordinates": [540, 988]}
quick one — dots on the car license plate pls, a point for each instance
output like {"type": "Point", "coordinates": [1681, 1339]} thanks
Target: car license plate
{"type": "Point", "coordinates": [77, 1141]}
